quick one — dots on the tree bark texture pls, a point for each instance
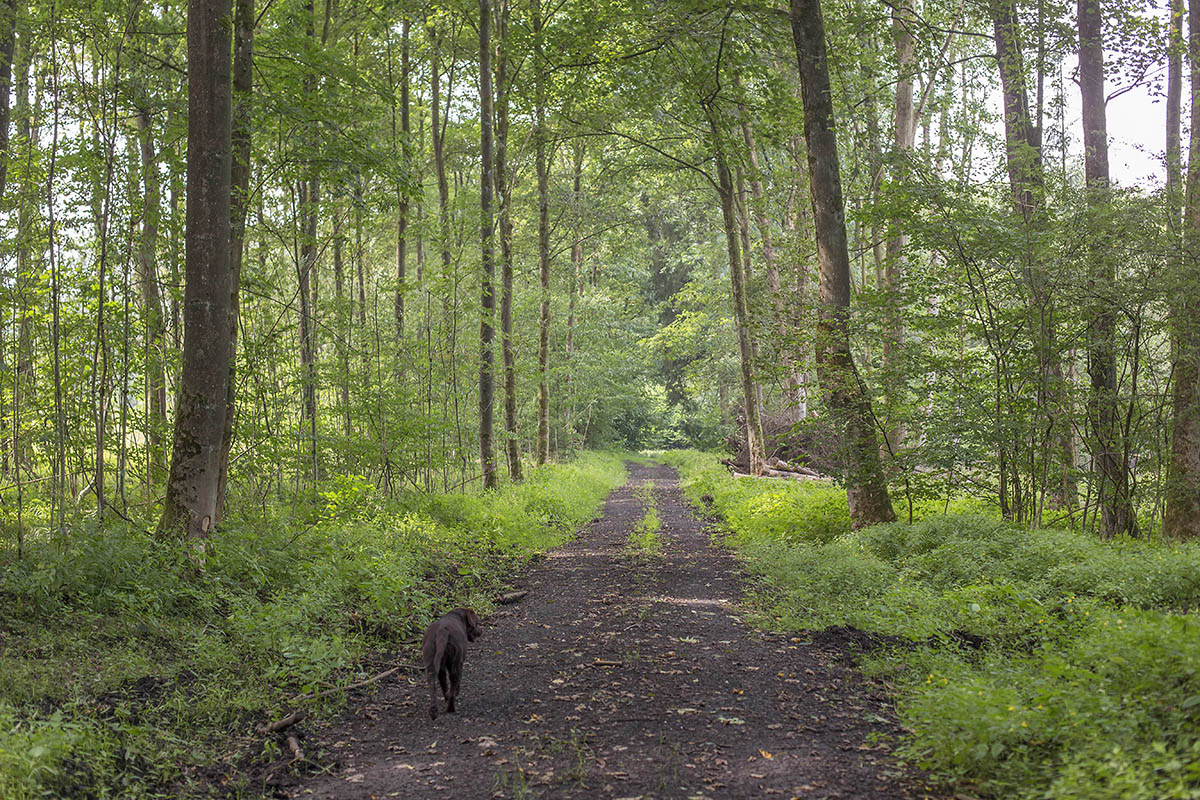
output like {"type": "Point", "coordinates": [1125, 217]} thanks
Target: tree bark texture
{"type": "Point", "coordinates": [904, 130]}
{"type": "Point", "coordinates": [741, 315]}
{"type": "Point", "coordinates": [866, 490]}
{"type": "Point", "coordinates": [512, 442]}
{"type": "Point", "coordinates": [487, 298]}
{"type": "Point", "coordinates": [152, 304]}
{"type": "Point", "coordinates": [1111, 453]}
{"type": "Point", "coordinates": [543, 195]}
{"type": "Point", "coordinates": [1182, 512]}
{"type": "Point", "coordinates": [191, 499]}
{"type": "Point", "coordinates": [240, 137]}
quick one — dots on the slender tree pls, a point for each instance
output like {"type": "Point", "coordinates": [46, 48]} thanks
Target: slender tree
{"type": "Point", "coordinates": [1182, 512]}
{"type": "Point", "coordinates": [487, 300]}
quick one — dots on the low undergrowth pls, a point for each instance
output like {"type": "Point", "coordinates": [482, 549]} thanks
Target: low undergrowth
{"type": "Point", "coordinates": [125, 674]}
{"type": "Point", "coordinates": [644, 540]}
{"type": "Point", "coordinates": [1047, 664]}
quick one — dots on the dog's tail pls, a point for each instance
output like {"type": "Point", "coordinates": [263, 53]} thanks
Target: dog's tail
{"type": "Point", "coordinates": [432, 671]}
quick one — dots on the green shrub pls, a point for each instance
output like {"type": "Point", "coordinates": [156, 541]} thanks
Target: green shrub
{"type": "Point", "coordinates": [152, 665]}
{"type": "Point", "coordinates": [1052, 665]}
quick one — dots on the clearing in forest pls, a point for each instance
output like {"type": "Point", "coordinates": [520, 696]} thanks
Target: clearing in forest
{"type": "Point", "coordinates": [627, 671]}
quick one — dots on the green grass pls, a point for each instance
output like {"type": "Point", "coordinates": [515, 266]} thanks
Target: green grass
{"type": "Point", "coordinates": [644, 540]}
{"type": "Point", "coordinates": [122, 672]}
{"type": "Point", "coordinates": [1086, 681]}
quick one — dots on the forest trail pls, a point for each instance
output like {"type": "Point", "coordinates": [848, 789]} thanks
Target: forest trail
{"type": "Point", "coordinates": [623, 677]}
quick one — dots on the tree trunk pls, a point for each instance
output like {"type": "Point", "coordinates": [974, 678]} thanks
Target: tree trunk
{"type": "Point", "coordinates": [8, 29]}
{"type": "Point", "coordinates": [1112, 454]}
{"type": "Point", "coordinates": [512, 443]}
{"type": "Point", "coordinates": [191, 499]}
{"type": "Point", "coordinates": [741, 316]}
{"type": "Point", "coordinates": [1182, 513]}
{"type": "Point", "coordinates": [487, 299]}
{"type": "Point", "coordinates": [152, 304]}
{"type": "Point", "coordinates": [866, 490]}
{"type": "Point", "coordinates": [543, 194]}
{"type": "Point", "coordinates": [239, 199]}
{"type": "Point", "coordinates": [758, 204]}
{"type": "Point", "coordinates": [402, 196]}
{"type": "Point", "coordinates": [1024, 160]}
{"type": "Point", "coordinates": [893, 263]}
{"type": "Point", "coordinates": [576, 268]}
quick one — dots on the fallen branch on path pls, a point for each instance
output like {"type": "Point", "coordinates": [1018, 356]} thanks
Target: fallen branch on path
{"type": "Point", "coordinates": [510, 598]}
{"type": "Point", "coordinates": [293, 743]}
{"type": "Point", "coordinates": [603, 662]}
{"type": "Point", "coordinates": [282, 724]}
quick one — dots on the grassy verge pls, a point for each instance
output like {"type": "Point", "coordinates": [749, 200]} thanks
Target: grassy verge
{"type": "Point", "coordinates": [122, 674]}
{"type": "Point", "coordinates": [1046, 664]}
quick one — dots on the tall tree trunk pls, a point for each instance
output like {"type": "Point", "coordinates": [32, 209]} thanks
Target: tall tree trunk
{"type": "Point", "coordinates": [512, 443]}
{"type": "Point", "coordinates": [308, 195]}
{"type": "Point", "coordinates": [576, 269]}
{"type": "Point", "coordinates": [903, 19]}
{"type": "Point", "coordinates": [8, 29]}
{"type": "Point", "coordinates": [28, 267]}
{"type": "Point", "coordinates": [191, 501]}
{"type": "Point", "coordinates": [543, 195]}
{"type": "Point", "coordinates": [152, 304]}
{"type": "Point", "coordinates": [866, 490]}
{"type": "Point", "coordinates": [487, 298]}
{"type": "Point", "coordinates": [758, 204]}
{"type": "Point", "coordinates": [1026, 179]}
{"type": "Point", "coordinates": [239, 201]}
{"type": "Point", "coordinates": [402, 195]}
{"type": "Point", "coordinates": [1182, 513]}
{"type": "Point", "coordinates": [741, 315]}
{"type": "Point", "coordinates": [1112, 459]}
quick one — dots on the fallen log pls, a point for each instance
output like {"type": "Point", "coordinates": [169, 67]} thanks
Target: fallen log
{"type": "Point", "coordinates": [282, 724]}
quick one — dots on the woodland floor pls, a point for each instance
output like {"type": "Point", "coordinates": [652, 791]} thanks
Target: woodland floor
{"type": "Point", "coordinates": [621, 677]}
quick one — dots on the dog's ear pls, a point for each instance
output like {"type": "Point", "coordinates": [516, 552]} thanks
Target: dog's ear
{"type": "Point", "coordinates": [474, 628]}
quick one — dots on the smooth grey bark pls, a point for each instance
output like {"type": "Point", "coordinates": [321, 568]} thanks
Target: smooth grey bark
{"type": "Point", "coordinates": [241, 143]}
{"type": "Point", "coordinates": [1182, 511]}
{"type": "Point", "coordinates": [1112, 452]}
{"type": "Point", "coordinates": [191, 499]}
{"type": "Point", "coordinates": [152, 303]}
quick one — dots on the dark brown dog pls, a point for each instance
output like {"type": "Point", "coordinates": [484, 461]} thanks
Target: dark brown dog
{"type": "Point", "coordinates": [442, 654]}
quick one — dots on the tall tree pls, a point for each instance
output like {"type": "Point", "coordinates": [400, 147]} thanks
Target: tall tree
{"type": "Point", "coordinates": [242, 147]}
{"type": "Point", "coordinates": [512, 442]}
{"type": "Point", "coordinates": [543, 234]}
{"type": "Point", "coordinates": [1112, 455]}
{"type": "Point", "coordinates": [866, 490]}
{"type": "Point", "coordinates": [191, 501]}
{"type": "Point", "coordinates": [1182, 512]}
{"type": "Point", "coordinates": [8, 29]}
{"type": "Point", "coordinates": [487, 299]}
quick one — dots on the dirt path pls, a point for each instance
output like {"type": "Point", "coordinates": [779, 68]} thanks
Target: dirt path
{"type": "Point", "coordinates": [624, 679]}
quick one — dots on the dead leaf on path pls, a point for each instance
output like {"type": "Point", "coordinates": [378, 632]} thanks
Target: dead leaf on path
{"type": "Point", "coordinates": [765, 754]}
